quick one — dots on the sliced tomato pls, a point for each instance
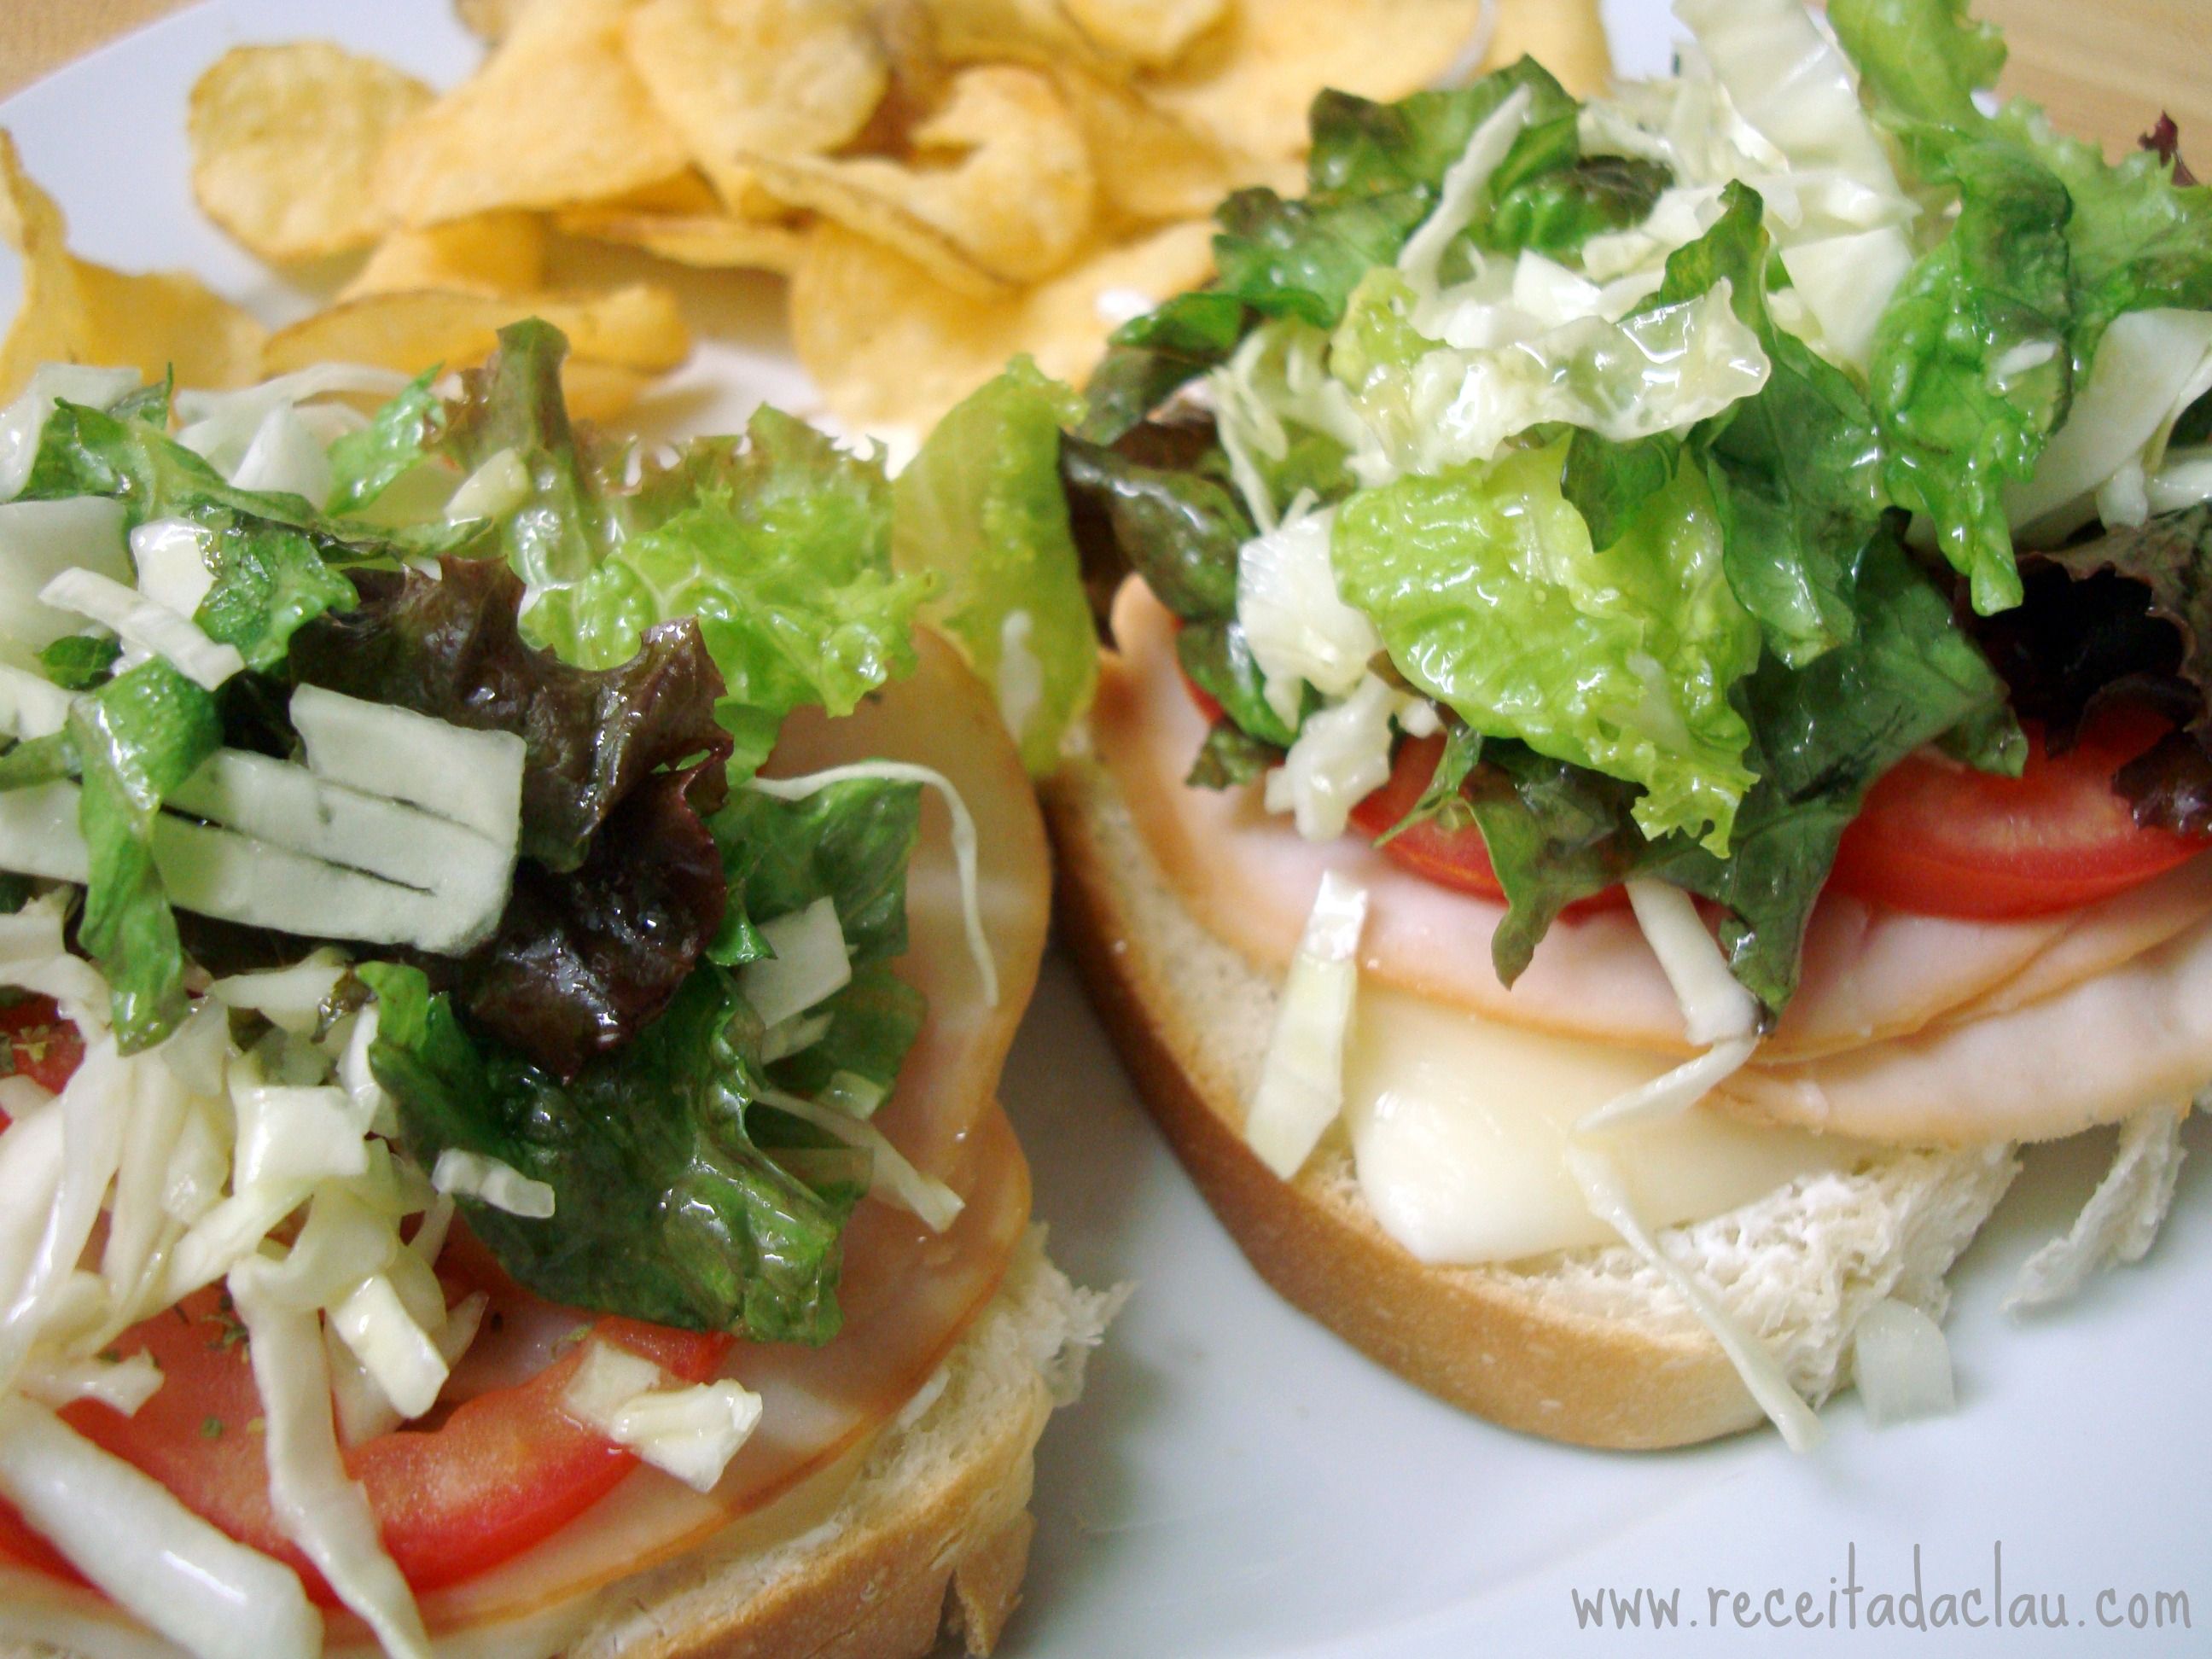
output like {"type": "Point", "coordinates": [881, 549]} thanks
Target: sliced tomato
{"type": "Point", "coordinates": [499, 1473]}
{"type": "Point", "coordinates": [1941, 839]}
{"type": "Point", "coordinates": [42, 1046]}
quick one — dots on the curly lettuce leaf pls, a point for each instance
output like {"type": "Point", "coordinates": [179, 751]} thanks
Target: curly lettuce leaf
{"type": "Point", "coordinates": [451, 648]}
{"type": "Point", "coordinates": [780, 546]}
{"type": "Point", "coordinates": [1150, 357]}
{"type": "Point", "coordinates": [981, 509]}
{"type": "Point", "coordinates": [1491, 598]}
{"type": "Point", "coordinates": [666, 1206]}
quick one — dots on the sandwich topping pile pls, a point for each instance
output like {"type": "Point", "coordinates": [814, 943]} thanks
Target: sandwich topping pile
{"type": "Point", "coordinates": [1768, 501]}
{"type": "Point", "coordinates": [418, 997]}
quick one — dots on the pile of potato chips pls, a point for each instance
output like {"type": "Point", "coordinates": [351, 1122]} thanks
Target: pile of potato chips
{"type": "Point", "coordinates": [946, 183]}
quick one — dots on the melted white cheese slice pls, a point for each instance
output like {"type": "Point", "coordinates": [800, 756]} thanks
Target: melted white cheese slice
{"type": "Point", "coordinates": [1460, 1128]}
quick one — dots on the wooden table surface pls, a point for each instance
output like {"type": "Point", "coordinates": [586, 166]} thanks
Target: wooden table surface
{"type": "Point", "coordinates": [2104, 67]}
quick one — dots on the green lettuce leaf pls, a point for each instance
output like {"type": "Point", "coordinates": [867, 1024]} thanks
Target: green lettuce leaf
{"type": "Point", "coordinates": [666, 1207]}
{"type": "Point", "coordinates": [782, 547]}
{"type": "Point", "coordinates": [78, 662]}
{"type": "Point", "coordinates": [1922, 60]}
{"type": "Point", "coordinates": [981, 509]}
{"type": "Point", "coordinates": [1824, 734]}
{"type": "Point", "coordinates": [849, 842]}
{"type": "Point", "coordinates": [1793, 468]}
{"type": "Point", "coordinates": [1491, 598]}
{"type": "Point", "coordinates": [1151, 356]}
{"type": "Point", "coordinates": [403, 434]}
{"type": "Point", "coordinates": [1231, 756]}
{"type": "Point", "coordinates": [514, 403]}
{"type": "Point", "coordinates": [1972, 369]}
{"type": "Point", "coordinates": [136, 739]}
{"type": "Point", "coordinates": [271, 580]}
{"type": "Point", "coordinates": [873, 1025]}
{"type": "Point", "coordinates": [1178, 527]}
{"type": "Point", "coordinates": [1218, 659]}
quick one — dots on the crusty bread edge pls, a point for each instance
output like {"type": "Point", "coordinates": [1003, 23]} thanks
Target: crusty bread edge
{"type": "Point", "coordinates": [1518, 1344]}
{"type": "Point", "coordinates": [1480, 1340]}
{"type": "Point", "coordinates": [926, 1544]}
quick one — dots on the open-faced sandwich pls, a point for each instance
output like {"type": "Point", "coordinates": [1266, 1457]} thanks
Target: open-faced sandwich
{"type": "Point", "coordinates": [509, 942]}
{"type": "Point", "coordinates": [1655, 727]}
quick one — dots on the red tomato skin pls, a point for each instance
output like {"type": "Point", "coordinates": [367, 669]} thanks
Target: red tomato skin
{"type": "Point", "coordinates": [42, 1046]}
{"type": "Point", "coordinates": [1937, 838]}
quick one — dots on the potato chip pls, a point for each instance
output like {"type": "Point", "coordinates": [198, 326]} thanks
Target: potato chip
{"type": "Point", "coordinates": [711, 242]}
{"type": "Point", "coordinates": [74, 311]}
{"type": "Point", "coordinates": [890, 347]}
{"type": "Point", "coordinates": [1039, 32]}
{"type": "Point", "coordinates": [486, 253]}
{"type": "Point", "coordinates": [1153, 33]}
{"type": "Point", "coordinates": [1248, 82]}
{"type": "Point", "coordinates": [1567, 37]}
{"type": "Point", "coordinates": [789, 77]}
{"type": "Point", "coordinates": [555, 118]}
{"type": "Point", "coordinates": [285, 142]}
{"type": "Point", "coordinates": [1149, 165]}
{"type": "Point", "coordinates": [599, 392]}
{"type": "Point", "coordinates": [639, 327]}
{"type": "Point", "coordinates": [999, 190]}
{"type": "Point", "coordinates": [490, 20]}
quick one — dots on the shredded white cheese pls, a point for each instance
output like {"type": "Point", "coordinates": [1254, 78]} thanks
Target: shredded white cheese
{"type": "Point", "coordinates": [1901, 1364]}
{"type": "Point", "coordinates": [317, 1506]}
{"type": "Point", "coordinates": [124, 1531]}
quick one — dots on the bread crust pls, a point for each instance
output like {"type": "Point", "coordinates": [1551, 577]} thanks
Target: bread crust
{"type": "Point", "coordinates": [1485, 1339]}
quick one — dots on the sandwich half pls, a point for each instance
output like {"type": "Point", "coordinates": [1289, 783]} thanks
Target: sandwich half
{"type": "Point", "coordinates": [1650, 724]}
{"type": "Point", "coordinates": [508, 950]}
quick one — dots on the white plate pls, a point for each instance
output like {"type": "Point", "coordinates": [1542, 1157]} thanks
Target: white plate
{"type": "Point", "coordinates": [1239, 1483]}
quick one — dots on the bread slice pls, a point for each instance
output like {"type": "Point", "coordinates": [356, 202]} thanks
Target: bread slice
{"type": "Point", "coordinates": [1591, 1347]}
{"type": "Point", "coordinates": [926, 1545]}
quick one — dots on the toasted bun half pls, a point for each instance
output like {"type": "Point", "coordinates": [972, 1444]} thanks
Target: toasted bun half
{"type": "Point", "coordinates": [1590, 1346]}
{"type": "Point", "coordinates": [921, 1541]}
